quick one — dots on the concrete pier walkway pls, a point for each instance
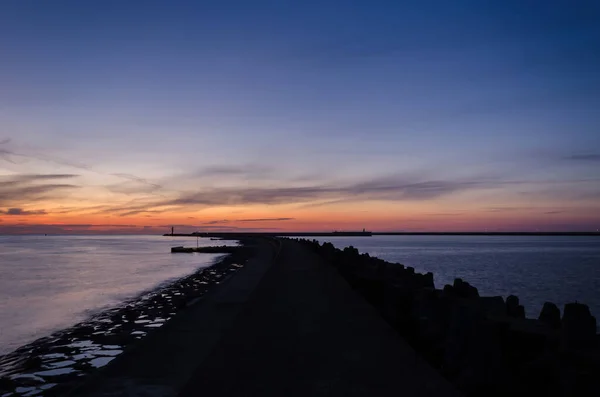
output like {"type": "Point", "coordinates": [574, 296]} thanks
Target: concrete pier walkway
{"type": "Point", "coordinates": [284, 327]}
{"type": "Point", "coordinates": [305, 332]}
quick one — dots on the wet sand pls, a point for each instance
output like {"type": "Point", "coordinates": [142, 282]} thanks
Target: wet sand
{"type": "Point", "coordinates": [55, 364]}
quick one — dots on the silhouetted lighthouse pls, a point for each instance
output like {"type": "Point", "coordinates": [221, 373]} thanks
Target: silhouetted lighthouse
{"type": "Point", "coordinates": [172, 230]}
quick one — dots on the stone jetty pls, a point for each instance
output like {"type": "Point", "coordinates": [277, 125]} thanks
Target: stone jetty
{"type": "Point", "coordinates": [286, 324]}
{"type": "Point", "coordinates": [484, 345]}
{"type": "Point", "coordinates": [223, 249]}
{"type": "Point", "coordinates": [300, 318]}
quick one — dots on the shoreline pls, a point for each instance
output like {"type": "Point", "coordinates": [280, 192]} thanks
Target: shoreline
{"type": "Point", "coordinates": [53, 363]}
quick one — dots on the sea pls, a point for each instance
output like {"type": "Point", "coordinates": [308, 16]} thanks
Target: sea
{"type": "Point", "coordinates": [537, 269]}
{"type": "Point", "coordinates": [48, 283]}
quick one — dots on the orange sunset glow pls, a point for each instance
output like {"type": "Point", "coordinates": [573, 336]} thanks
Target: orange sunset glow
{"type": "Point", "coordinates": [396, 124]}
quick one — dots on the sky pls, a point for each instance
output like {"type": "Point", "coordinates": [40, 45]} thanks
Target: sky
{"type": "Point", "coordinates": [132, 117]}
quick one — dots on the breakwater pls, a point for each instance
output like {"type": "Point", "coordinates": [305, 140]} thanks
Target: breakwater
{"type": "Point", "coordinates": [224, 249]}
{"type": "Point", "coordinates": [484, 345]}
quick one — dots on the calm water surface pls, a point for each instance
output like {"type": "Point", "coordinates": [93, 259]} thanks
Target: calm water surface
{"type": "Point", "coordinates": [536, 268]}
{"type": "Point", "coordinates": [50, 283]}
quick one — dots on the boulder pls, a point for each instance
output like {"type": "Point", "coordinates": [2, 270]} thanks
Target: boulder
{"type": "Point", "coordinates": [6, 384]}
{"type": "Point", "coordinates": [428, 280]}
{"type": "Point", "coordinates": [550, 315]}
{"type": "Point", "coordinates": [578, 326]}
{"type": "Point", "coordinates": [464, 289]}
{"type": "Point", "coordinates": [448, 291]}
{"type": "Point", "coordinates": [513, 309]}
{"type": "Point", "coordinates": [473, 355]}
{"type": "Point", "coordinates": [492, 305]}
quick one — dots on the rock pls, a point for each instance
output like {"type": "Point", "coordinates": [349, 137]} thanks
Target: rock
{"type": "Point", "coordinates": [121, 339]}
{"type": "Point", "coordinates": [493, 305]}
{"type": "Point", "coordinates": [550, 315]}
{"type": "Point", "coordinates": [32, 363]}
{"type": "Point", "coordinates": [541, 376]}
{"type": "Point", "coordinates": [6, 384]}
{"type": "Point", "coordinates": [83, 330]}
{"type": "Point", "coordinates": [471, 291]}
{"type": "Point", "coordinates": [513, 309]}
{"type": "Point", "coordinates": [394, 271]}
{"type": "Point", "coordinates": [578, 326]}
{"type": "Point", "coordinates": [448, 290]}
{"type": "Point", "coordinates": [464, 289]}
{"type": "Point", "coordinates": [473, 356]}
{"type": "Point", "coordinates": [428, 280]}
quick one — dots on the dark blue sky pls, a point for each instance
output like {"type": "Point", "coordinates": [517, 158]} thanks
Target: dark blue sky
{"type": "Point", "coordinates": [320, 93]}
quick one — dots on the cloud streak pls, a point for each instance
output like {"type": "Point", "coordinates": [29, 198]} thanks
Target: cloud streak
{"type": "Point", "coordinates": [8, 154]}
{"type": "Point", "coordinates": [248, 170]}
{"type": "Point", "coordinates": [589, 157]}
{"type": "Point", "coordinates": [79, 228]}
{"type": "Point", "coordinates": [266, 220]}
{"type": "Point", "coordinates": [138, 179]}
{"type": "Point", "coordinates": [20, 211]}
{"type": "Point", "coordinates": [26, 188]}
{"type": "Point", "coordinates": [397, 188]}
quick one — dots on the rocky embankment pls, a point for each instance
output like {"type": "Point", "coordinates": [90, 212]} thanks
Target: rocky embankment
{"type": "Point", "coordinates": [484, 345]}
{"type": "Point", "coordinates": [54, 365]}
{"type": "Point", "coordinates": [223, 249]}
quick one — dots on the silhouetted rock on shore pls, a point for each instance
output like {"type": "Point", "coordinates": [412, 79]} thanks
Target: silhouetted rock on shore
{"type": "Point", "coordinates": [579, 326]}
{"type": "Point", "coordinates": [550, 315]}
{"type": "Point", "coordinates": [224, 249]}
{"type": "Point", "coordinates": [484, 345]}
{"type": "Point", "coordinates": [464, 289]}
{"type": "Point", "coordinates": [513, 309]}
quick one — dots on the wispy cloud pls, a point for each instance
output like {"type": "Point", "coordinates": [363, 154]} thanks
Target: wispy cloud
{"type": "Point", "coordinates": [133, 207]}
{"type": "Point", "coordinates": [217, 222]}
{"type": "Point", "coordinates": [70, 210]}
{"type": "Point", "coordinates": [78, 228]}
{"type": "Point", "coordinates": [445, 214]}
{"type": "Point", "coordinates": [132, 187]}
{"type": "Point", "coordinates": [142, 184]}
{"type": "Point", "coordinates": [530, 209]}
{"type": "Point", "coordinates": [234, 169]}
{"type": "Point", "coordinates": [141, 211]}
{"type": "Point", "coordinates": [221, 228]}
{"type": "Point", "coordinates": [396, 188]}
{"type": "Point", "coordinates": [138, 179]}
{"type": "Point", "coordinates": [21, 211]}
{"type": "Point", "coordinates": [9, 155]}
{"type": "Point", "coordinates": [505, 209]}
{"type": "Point", "coordinates": [266, 220]}
{"type": "Point", "coordinates": [22, 188]}
{"type": "Point", "coordinates": [591, 157]}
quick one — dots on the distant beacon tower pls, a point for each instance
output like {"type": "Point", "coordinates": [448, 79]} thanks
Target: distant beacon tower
{"type": "Point", "coordinates": [172, 230]}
